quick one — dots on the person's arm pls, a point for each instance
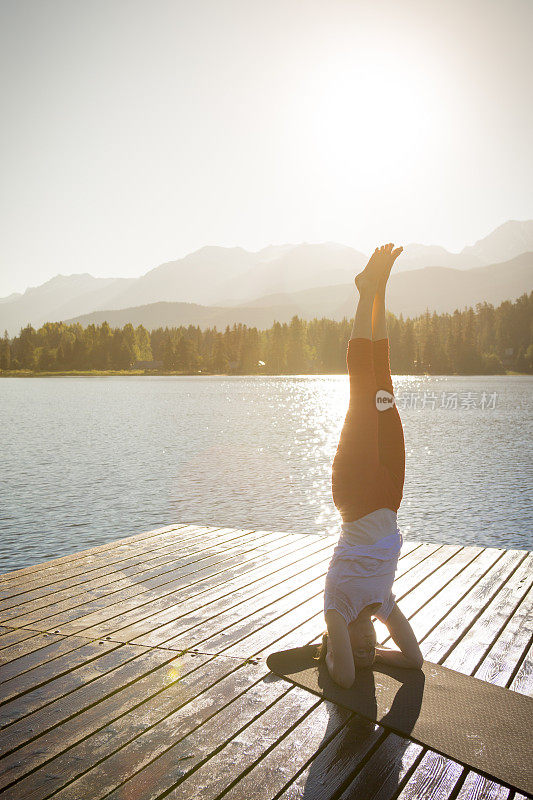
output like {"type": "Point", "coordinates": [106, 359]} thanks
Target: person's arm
{"type": "Point", "coordinates": [395, 658]}
{"type": "Point", "coordinates": [409, 654]}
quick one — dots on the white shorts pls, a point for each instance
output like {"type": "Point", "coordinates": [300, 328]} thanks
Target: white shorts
{"type": "Point", "coordinates": [361, 576]}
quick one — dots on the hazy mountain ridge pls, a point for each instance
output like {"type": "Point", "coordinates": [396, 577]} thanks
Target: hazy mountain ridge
{"type": "Point", "coordinates": [229, 277]}
{"type": "Point", "coordinates": [303, 267]}
{"type": "Point", "coordinates": [61, 296]}
{"type": "Point", "coordinates": [505, 242]}
{"type": "Point", "coordinates": [440, 289]}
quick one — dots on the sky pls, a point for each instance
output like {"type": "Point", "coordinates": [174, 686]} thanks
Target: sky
{"type": "Point", "coordinates": [136, 131]}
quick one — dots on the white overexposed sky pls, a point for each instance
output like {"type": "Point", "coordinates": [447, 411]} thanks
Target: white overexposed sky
{"type": "Point", "coordinates": [135, 131]}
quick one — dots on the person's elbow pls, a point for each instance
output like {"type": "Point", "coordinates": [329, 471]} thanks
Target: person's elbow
{"type": "Point", "coordinates": [413, 658]}
{"type": "Point", "coordinates": [343, 677]}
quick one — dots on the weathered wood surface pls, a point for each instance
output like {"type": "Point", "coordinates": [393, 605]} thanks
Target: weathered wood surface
{"type": "Point", "coordinates": [137, 669]}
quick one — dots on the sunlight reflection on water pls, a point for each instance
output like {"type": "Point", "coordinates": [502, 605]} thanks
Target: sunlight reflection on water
{"type": "Point", "coordinates": [89, 460]}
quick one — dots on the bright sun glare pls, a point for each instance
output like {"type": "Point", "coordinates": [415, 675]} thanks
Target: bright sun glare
{"type": "Point", "coordinates": [375, 115]}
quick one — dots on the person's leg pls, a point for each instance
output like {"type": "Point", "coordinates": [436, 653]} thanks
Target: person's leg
{"type": "Point", "coordinates": [390, 430]}
{"type": "Point", "coordinates": [357, 456]}
{"type": "Point", "coordinates": [361, 483]}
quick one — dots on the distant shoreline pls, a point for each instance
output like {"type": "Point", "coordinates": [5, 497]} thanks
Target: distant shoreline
{"type": "Point", "coordinates": [115, 373]}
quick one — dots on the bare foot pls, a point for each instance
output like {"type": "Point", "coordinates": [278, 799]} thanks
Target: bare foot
{"type": "Point", "coordinates": [377, 271]}
{"type": "Point", "coordinates": [392, 256]}
{"type": "Point", "coordinates": [366, 283]}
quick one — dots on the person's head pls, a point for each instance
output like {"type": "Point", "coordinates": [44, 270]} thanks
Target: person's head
{"type": "Point", "coordinates": [363, 639]}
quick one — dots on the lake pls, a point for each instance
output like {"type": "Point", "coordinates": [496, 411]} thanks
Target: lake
{"type": "Point", "coordinates": [89, 460]}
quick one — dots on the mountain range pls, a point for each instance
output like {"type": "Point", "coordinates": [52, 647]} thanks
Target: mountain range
{"type": "Point", "coordinates": [440, 289]}
{"type": "Point", "coordinates": [235, 285]}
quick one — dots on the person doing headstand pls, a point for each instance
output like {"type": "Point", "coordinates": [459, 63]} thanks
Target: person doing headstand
{"type": "Point", "coordinates": [367, 483]}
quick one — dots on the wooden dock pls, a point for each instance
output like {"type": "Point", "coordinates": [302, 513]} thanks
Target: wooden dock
{"type": "Point", "coordinates": [136, 670]}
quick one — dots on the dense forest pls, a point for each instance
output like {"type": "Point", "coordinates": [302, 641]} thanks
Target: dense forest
{"type": "Point", "coordinates": [484, 340]}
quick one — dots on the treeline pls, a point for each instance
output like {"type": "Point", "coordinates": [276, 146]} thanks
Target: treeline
{"type": "Point", "coordinates": [484, 340]}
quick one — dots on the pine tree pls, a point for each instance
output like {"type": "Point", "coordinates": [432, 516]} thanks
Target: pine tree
{"type": "Point", "coordinates": [277, 350]}
{"type": "Point", "coordinates": [297, 349]}
{"type": "Point", "coordinates": [220, 356]}
{"type": "Point", "coordinates": [25, 350]}
{"type": "Point", "coordinates": [5, 352]}
{"type": "Point", "coordinates": [186, 355]}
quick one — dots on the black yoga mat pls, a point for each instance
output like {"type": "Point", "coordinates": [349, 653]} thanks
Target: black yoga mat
{"type": "Point", "coordinates": [478, 724]}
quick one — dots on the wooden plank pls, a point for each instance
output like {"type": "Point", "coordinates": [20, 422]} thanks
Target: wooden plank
{"type": "Point", "coordinates": [144, 562]}
{"type": "Point", "coordinates": [492, 620]}
{"type": "Point", "coordinates": [68, 748]}
{"type": "Point", "coordinates": [213, 587]}
{"type": "Point", "coordinates": [146, 535]}
{"type": "Point", "coordinates": [196, 557]}
{"type": "Point", "coordinates": [438, 555]}
{"type": "Point", "coordinates": [240, 640]}
{"type": "Point", "coordinates": [28, 644]}
{"type": "Point", "coordinates": [65, 659]}
{"type": "Point", "coordinates": [59, 577]}
{"type": "Point", "coordinates": [523, 680]}
{"type": "Point", "coordinates": [415, 597]}
{"type": "Point", "coordinates": [98, 618]}
{"type": "Point", "coordinates": [329, 738]}
{"type": "Point", "coordinates": [471, 605]}
{"type": "Point", "coordinates": [10, 636]}
{"type": "Point", "coordinates": [13, 636]}
{"type": "Point", "coordinates": [112, 621]}
{"type": "Point", "coordinates": [262, 733]}
{"type": "Point", "coordinates": [190, 737]}
{"type": "Point", "coordinates": [512, 643]}
{"type": "Point", "coordinates": [61, 698]}
{"type": "Point", "coordinates": [323, 775]}
{"type": "Point", "coordinates": [41, 649]}
{"type": "Point", "coordinates": [48, 571]}
{"type": "Point", "coordinates": [103, 576]}
{"type": "Point", "coordinates": [432, 612]}
{"type": "Point", "coordinates": [210, 605]}
{"type": "Point", "coordinates": [435, 776]}
{"type": "Point", "coordinates": [475, 787]}
{"type": "Point", "coordinates": [59, 687]}
{"type": "Point", "coordinates": [78, 575]}
{"type": "Point", "coordinates": [206, 621]}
